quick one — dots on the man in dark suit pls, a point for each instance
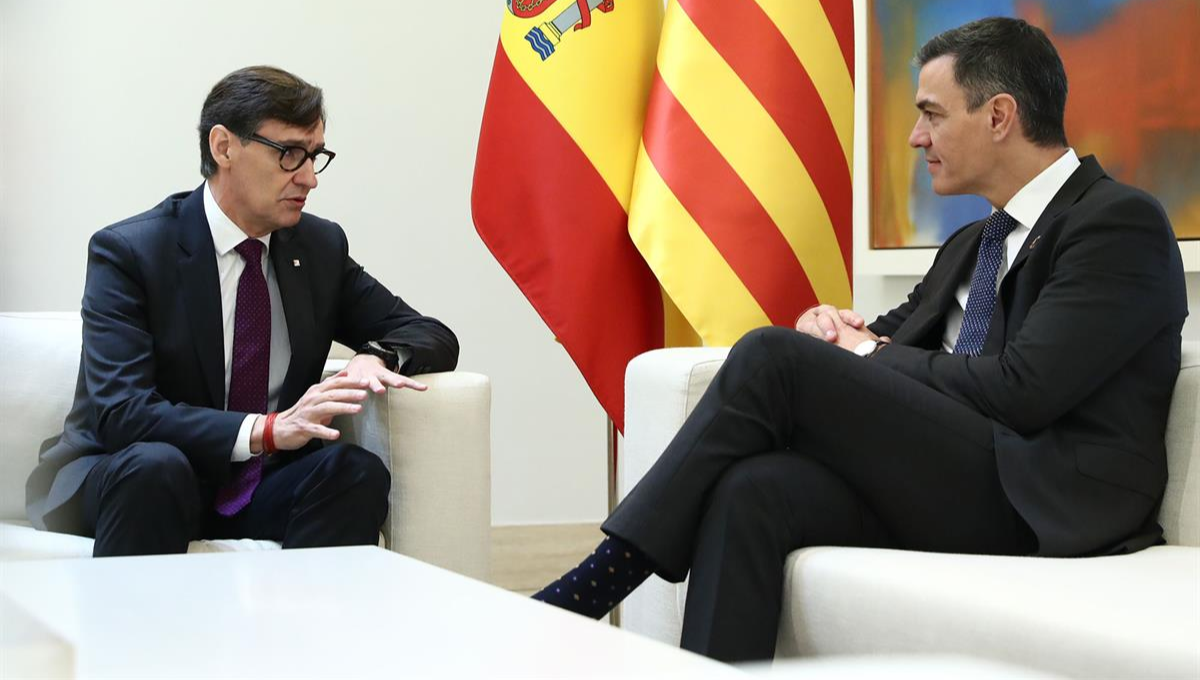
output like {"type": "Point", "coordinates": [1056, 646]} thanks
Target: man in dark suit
{"type": "Point", "coordinates": [199, 410]}
{"type": "Point", "coordinates": [1015, 404]}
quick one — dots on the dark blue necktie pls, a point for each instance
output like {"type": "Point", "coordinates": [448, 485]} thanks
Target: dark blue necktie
{"type": "Point", "coordinates": [982, 298]}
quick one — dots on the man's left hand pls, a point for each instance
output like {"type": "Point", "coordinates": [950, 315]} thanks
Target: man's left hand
{"type": "Point", "coordinates": [378, 377]}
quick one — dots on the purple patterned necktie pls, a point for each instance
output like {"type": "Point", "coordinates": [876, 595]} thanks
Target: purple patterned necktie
{"type": "Point", "coordinates": [251, 369]}
{"type": "Point", "coordinates": [977, 316]}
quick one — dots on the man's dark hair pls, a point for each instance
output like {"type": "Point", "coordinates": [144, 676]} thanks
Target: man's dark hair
{"type": "Point", "coordinates": [1002, 55]}
{"type": "Point", "coordinates": [246, 98]}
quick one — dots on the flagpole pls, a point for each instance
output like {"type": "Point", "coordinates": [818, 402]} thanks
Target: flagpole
{"type": "Point", "coordinates": [612, 466]}
{"type": "Point", "coordinates": [615, 617]}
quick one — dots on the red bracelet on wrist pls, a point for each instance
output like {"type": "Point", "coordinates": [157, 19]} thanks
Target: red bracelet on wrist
{"type": "Point", "coordinates": [269, 434]}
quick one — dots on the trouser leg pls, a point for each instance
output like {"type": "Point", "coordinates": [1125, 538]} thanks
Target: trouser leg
{"type": "Point", "coordinates": [336, 495]}
{"type": "Point", "coordinates": [142, 500]}
{"type": "Point", "coordinates": [761, 509]}
{"type": "Point", "coordinates": [924, 462]}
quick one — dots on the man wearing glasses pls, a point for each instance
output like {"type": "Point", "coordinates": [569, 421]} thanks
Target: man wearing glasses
{"type": "Point", "coordinates": [199, 410]}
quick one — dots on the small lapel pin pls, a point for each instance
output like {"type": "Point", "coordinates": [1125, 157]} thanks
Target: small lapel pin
{"type": "Point", "coordinates": [295, 263]}
{"type": "Point", "coordinates": [1031, 245]}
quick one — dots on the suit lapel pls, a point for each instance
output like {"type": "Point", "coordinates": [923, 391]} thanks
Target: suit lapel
{"type": "Point", "coordinates": [1085, 175]}
{"type": "Point", "coordinates": [943, 281]}
{"type": "Point", "coordinates": [197, 266]}
{"type": "Point", "coordinates": [288, 258]}
{"type": "Point", "coordinates": [958, 268]}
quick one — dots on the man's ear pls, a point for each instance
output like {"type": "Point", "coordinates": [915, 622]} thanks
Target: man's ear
{"type": "Point", "coordinates": [1002, 116]}
{"type": "Point", "coordinates": [221, 145]}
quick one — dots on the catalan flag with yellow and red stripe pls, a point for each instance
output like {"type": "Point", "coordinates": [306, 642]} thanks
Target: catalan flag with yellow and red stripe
{"type": "Point", "coordinates": [741, 201]}
{"type": "Point", "coordinates": [554, 174]}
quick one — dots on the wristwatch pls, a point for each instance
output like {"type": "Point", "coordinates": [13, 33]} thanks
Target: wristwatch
{"type": "Point", "coordinates": [865, 348]}
{"type": "Point", "coordinates": [391, 360]}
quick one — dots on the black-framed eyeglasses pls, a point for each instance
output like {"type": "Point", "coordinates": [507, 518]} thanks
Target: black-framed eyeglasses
{"type": "Point", "coordinates": [292, 157]}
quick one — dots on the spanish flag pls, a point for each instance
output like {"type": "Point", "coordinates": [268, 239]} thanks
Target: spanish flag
{"type": "Point", "coordinates": [742, 195]}
{"type": "Point", "coordinates": [554, 173]}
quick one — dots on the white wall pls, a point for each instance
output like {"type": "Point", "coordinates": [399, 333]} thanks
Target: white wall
{"type": "Point", "coordinates": [98, 104]}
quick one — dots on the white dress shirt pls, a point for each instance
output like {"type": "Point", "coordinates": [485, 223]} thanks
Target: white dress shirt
{"type": "Point", "coordinates": [1026, 207]}
{"type": "Point", "coordinates": [226, 236]}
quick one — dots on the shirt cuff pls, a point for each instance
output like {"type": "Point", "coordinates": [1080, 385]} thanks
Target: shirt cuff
{"type": "Point", "coordinates": [404, 354]}
{"type": "Point", "coordinates": [241, 445]}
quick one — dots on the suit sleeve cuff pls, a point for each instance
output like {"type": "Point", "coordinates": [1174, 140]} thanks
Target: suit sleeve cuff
{"type": "Point", "coordinates": [404, 354]}
{"type": "Point", "coordinates": [241, 445]}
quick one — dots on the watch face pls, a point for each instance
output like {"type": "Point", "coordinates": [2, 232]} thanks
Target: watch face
{"type": "Point", "coordinates": [865, 348]}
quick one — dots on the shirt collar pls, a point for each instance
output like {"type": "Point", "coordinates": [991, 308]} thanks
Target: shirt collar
{"type": "Point", "coordinates": [225, 234]}
{"type": "Point", "coordinates": [1030, 202]}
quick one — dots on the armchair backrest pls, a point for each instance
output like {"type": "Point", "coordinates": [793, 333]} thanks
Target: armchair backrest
{"type": "Point", "coordinates": [39, 361]}
{"type": "Point", "coordinates": [1180, 514]}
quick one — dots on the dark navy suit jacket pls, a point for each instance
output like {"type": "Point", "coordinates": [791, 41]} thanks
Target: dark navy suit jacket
{"type": "Point", "coordinates": [152, 364]}
{"type": "Point", "coordinates": [1079, 363]}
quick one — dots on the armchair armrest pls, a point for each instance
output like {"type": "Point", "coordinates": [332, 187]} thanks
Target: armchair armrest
{"type": "Point", "coordinates": [661, 389]}
{"type": "Point", "coordinates": [437, 445]}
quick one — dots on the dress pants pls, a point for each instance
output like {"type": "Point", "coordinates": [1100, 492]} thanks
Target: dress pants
{"type": "Point", "coordinates": [146, 499]}
{"type": "Point", "coordinates": [799, 443]}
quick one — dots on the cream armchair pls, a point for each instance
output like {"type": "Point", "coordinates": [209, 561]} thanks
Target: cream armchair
{"type": "Point", "coordinates": [436, 445]}
{"type": "Point", "coordinates": [1035, 612]}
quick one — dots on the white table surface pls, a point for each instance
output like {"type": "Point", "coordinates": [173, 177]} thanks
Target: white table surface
{"type": "Point", "coordinates": [28, 649]}
{"type": "Point", "coordinates": [333, 612]}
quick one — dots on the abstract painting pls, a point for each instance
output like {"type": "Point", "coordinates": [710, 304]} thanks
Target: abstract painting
{"type": "Point", "coordinates": [1133, 68]}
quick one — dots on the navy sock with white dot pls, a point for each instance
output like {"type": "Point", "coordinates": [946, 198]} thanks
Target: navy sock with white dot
{"type": "Point", "coordinates": [601, 581]}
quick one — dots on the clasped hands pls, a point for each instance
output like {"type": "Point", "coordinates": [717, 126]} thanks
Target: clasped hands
{"type": "Point", "coordinates": [340, 394]}
{"type": "Point", "coordinates": [842, 327]}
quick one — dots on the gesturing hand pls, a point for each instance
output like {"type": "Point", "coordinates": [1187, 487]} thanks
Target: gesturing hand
{"type": "Point", "coordinates": [337, 395]}
{"type": "Point", "coordinates": [309, 418]}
